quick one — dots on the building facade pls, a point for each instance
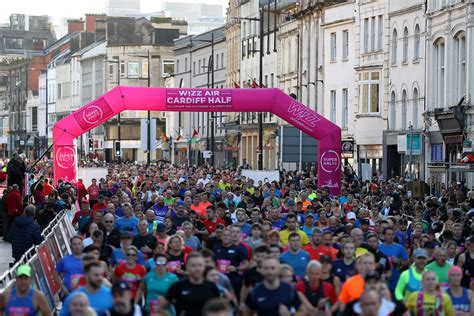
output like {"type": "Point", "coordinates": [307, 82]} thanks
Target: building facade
{"type": "Point", "coordinates": [450, 88]}
{"type": "Point", "coordinates": [200, 62]}
{"type": "Point", "coordinates": [338, 57]}
{"type": "Point", "coordinates": [138, 54]}
{"type": "Point", "coordinates": [22, 43]}
{"type": "Point", "coordinates": [406, 99]}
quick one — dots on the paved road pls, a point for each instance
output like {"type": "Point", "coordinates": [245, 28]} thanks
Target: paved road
{"type": "Point", "coordinates": [5, 256]}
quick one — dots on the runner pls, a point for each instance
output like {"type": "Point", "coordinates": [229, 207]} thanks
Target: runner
{"type": "Point", "coordinates": [189, 294]}
{"type": "Point", "coordinates": [22, 299]}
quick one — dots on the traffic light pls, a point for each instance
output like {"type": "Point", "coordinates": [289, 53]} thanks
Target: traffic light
{"type": "Point", "coordinates": [91, 144]}
{"type": "Point", "coordinates": [118, 152]}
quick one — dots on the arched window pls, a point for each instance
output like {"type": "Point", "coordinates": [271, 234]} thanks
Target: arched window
{"type": "Point", "coordinates": [439, 72]}
{"type": "Point", "coordinates": [415, 108]}
{"type": "Point", "coordinates": [405, 45]}
{"type": "Point", "coordinates": [394, 46]}
{"type": "Point", "coordinates": [460, 66]}
{"type": "Point", "coordinates": [404, 110]}
{"type": "Point", "coordinates": [393, 112]}
{"type": "Point", "coordinates": [416, 51]}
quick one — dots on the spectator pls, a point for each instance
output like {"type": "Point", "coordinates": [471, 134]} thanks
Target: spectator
{"type": "Point", "coordinates": [13, 205]}
{"type": "Point", "coordinates": [24, 232]}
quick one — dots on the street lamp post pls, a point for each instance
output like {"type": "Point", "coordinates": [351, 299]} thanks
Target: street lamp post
{"type": "Point", "coordinates": [148, 156]}
{"type": "Point", "coordinates": [119, 115]}
{"type": "Point", "coordinates": [210, 70]}
{"type": "Point", "coordinates": [261, 52]}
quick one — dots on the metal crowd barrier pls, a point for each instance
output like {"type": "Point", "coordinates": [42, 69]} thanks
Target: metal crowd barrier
{"type": "Point", "coordinates": [43, 258]}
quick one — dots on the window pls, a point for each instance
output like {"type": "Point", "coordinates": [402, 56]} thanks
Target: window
{"type": "Point", "coordinates": [437, 153]}
{"type": "Point", "coordinates": [333, 47]}
{"type": "Point", "coordinates": [222, 60]}
{"type": "Point", "coordinates": [439, 72]}
{"type": "Point", "coordinates": [177, 65]}
{"type": "Point", "coordinates": [372, 34]}
{"type": "Point", "coordinates": [460, 66]}
{"type": "Point", "coordinates": [366, 35]}
{"type": "Point", "coordinates": [39, 43]}
{"type": "Point", "coordinates": [58, 91]}
{"type": "Point", "coordinates": [199, 66]}
{"type": "Point", "coordinates": [394, 47]}
{"type": "Point", "coordinates": [370, 92]}
{"type": "Point", "coordinates": [345, 108]}
{"type": "Point", "coordinates": [380, 33]}
{"type": "Point", "coordinates": [404, 110]}
{"type": "Point", "coordinates": [333, 106]}
{"type": "Point", "coordinates": [145, 69]}
{"type": "Point", "coordinates": [405, 45]}
{"type": "Point", "coordinates": [217, 62]}
{"type": "Point", "coordinates": [122, 69]}
{"type": "Point", "coordinates": [34, 118]}
{"type": "Point", "coordinates": [194, 68]}
{"type": "Point", "coordinates": [13, 42]}
{"type": "Point", "coordinates": [416, 50]}
{"type": "Point", "coordinates": [186, 64]}
{"type": "Point", "coordinates": [345, 44]}
{"type": "Point", "coordinates": [133, 69]}
{"type": "Point", "coordinates": [168, 68]}
{"type": "Point", "coordinates": [111, 71]}
{"type": "Point", "coordinates": [415, 108]}
{"type": "Point", "coordinates": [393, 112]}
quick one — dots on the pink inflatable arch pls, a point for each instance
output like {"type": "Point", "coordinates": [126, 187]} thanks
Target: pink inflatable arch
{"type": "Point", "coordinates": [124, 98]}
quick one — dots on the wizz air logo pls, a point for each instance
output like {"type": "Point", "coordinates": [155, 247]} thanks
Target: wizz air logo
{"type": "Point", "coordinates": [303, 114]}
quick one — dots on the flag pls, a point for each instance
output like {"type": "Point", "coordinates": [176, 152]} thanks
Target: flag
{"type": "Point", "coordinates": [254, 84]}
{"type": "Point", "coordinates": [236, 85]}
{"type": "Point", "coordinates": [178, 135]}
{"type": "Point", "coordinates": [164, 140]}
{"type": "Point", "coordinates": [194, 138]}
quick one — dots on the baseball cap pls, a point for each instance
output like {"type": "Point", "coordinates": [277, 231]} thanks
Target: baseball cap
{"type": "Point", "coordinates": [351, 215]}
{"type": "Point", "coordinates": [160, 227]}
{"type": "Point", "coordinates": [308, 214]}
{"type": "Point", "coordinates": [23, 270]}
{"type": "Point", "coordinates": [420, 252]}
{"type": "Point", "coordinates": [120, 287]}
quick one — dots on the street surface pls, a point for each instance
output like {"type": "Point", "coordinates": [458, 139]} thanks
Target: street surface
{"type": "Point", "coordinates": [5, 256]}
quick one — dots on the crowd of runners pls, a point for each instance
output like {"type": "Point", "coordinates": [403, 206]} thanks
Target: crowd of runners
{"type": "Point", "coordinates": [203, 241]}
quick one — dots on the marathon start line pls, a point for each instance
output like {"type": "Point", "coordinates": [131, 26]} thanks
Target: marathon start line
{"type": "Point", "coordinates": [272, 100]}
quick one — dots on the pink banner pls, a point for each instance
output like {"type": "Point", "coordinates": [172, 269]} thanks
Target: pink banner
{"type": "Point", "coordinates": [199, 100]}
{"type": "Point", "coordinates": [65, 164]}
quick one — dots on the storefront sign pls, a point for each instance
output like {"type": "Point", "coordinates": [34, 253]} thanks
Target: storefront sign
{"type": "Point", "coordinates": [348, 148]}
{"type": "Point", "coordinates": [467, 146]}
{"type": "Point", "coordinates": [402, 143]}
{"type": "Point", "coordinates": [414, 143]}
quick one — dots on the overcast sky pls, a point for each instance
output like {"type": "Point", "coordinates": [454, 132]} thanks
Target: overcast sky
{"type": "Point", "coordinates": [75, 9]}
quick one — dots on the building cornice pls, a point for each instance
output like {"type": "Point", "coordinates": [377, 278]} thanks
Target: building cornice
{"type": "Point", "coordinates": [406, 10]}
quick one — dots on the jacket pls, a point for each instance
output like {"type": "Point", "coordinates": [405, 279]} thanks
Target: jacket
{"type": "Point", "coordinates": [13, 203]}
{"type": "Point", "coordinates": [24, 233]}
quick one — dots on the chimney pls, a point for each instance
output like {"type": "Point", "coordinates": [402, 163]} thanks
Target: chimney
{"type": "Point", "coordinates": [75, 26]}
{"type": "Point", "coordinates": [90, 22]}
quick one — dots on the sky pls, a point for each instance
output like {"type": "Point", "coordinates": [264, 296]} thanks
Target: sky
{"type": "Point", "coordinates": [75, 9]}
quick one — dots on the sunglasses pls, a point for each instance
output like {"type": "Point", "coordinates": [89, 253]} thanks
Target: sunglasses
{"type": "Point", "coordinates": [160, 263]}
{"type": "Point", "coordinates": [109, 222]}
{"type": "Point", "coordinates": [131, 255]}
